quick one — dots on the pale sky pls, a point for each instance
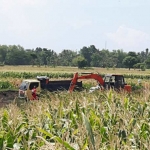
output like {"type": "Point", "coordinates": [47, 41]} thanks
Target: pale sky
{"type": "Point", "coordinates": [72, 24]}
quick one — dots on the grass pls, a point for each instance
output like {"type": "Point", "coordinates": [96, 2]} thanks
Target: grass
{"type": "Point", "coordinates": [71, 70]}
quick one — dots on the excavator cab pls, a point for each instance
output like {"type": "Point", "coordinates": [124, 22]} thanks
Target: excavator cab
{"type": "Point", "coordinates": [109, 81]}
{"type": "Point", "coordinates": [116, 82]}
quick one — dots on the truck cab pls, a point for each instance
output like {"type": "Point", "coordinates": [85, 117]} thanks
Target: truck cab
{"type": "Point", "coordinates": [25, 89]}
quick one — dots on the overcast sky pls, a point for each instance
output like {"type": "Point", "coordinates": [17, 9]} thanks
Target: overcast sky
{"type": "Point", "coordinates": [72, 24]}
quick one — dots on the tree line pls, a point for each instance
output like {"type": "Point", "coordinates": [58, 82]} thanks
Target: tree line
{"type": "Point", "coordinates": [85, 57]}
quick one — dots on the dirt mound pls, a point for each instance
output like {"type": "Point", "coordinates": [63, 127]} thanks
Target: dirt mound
{"type": "Point", "coordinates": [7, 97]}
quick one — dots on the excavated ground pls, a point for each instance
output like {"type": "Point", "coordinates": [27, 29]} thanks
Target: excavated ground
{"type": "Point", "coordinates": [7, 97]}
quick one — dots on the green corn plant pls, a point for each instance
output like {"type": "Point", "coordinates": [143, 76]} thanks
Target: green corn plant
{"type": "Point", "coordinates": [5, 85]}
{"type": "Point", "coordinates": [89, 130]}
{"type": "Point", "coordinates": [99, 120]}
{"type": "Point", "coordinates": [57, 139]}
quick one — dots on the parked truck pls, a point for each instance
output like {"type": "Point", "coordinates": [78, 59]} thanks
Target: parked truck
{"type": "Point", "coordinates": [43, 83]}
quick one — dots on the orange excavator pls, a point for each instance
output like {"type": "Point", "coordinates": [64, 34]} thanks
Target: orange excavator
{"type": "Point", "coordinates": [116, 82]}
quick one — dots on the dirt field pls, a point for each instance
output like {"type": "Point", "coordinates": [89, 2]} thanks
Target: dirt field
{"type": "Point", "coordinates": [7, 97]}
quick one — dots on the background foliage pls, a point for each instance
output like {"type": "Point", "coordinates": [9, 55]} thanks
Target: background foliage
{"type": "Point", "coordinates": [85, 57]}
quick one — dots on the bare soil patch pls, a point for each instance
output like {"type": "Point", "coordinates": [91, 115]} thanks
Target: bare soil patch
{"type": "Point", "coordinates": [7, 97]}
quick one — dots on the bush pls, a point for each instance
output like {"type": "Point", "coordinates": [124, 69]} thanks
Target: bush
{"type": "Point", "coordinates": [143, 68]}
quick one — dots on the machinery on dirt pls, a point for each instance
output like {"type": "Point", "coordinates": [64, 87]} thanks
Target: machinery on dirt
{"type": "Point", "coordinates": [43, 83]}
{"type": "Point", "coordinates": [116, 82]}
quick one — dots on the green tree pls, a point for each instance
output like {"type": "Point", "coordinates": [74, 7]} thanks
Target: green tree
{"type": "Point", "coordinates": [95, 60]}
{"type": "Point", "coordinates": [139, 65]}
{"type": "Point", "coordinates": [65, 57]}
{"type": "Point", "coordinates": [3, 53]}
{"type": "Point", "coordinates": [33, 58]}
{"type": "Point", "coordinates": [120, 56]}
{"type": "Point", "coordinates": [104, 58]}
{"type": "Point", "coordinates": [79, 61]}
{"type": "Point", "coordinates": [147, 62]}
{"type": "Point", "coordinates": [16, 56]}
{"type": "Point", "coordinates": [39, 56]}
{"type": "Point", "coordinates": [87, 53]}
{"type": "Point", "coordinates": [143, 55]}
{"type": "Point", "coordinates": [129, 61]}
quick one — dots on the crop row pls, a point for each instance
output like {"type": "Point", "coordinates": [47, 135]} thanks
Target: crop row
{"type": "Point", "coordinates": [78, 121]}
{"type": "Point", "coordinates": [26, 75]}
{"type": "Point", "coordinates": [6, 85]}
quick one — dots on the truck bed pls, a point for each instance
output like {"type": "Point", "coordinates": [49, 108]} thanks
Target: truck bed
{"type": "Point", "coordinates": [60, 85]}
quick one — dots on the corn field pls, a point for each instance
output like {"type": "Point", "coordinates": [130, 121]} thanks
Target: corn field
{"type": "Point", "coordinates": [78, 121]}
{"type": "Point", "coordinates": [102, 120]}
{"type": "Point", "coordinates": [12, 80]}
{"type": "Point", "coordinates": [28, 75]}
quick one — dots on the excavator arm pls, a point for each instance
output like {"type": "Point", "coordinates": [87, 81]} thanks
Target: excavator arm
{"type": "Point", "coordinates": [89, 76]}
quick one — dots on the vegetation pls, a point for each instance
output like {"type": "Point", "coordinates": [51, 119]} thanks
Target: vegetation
{"type": "Point", "coordinates": [85, 57]}
{"type": "Point", "coordinates": [12, 76]}
{"type": "Point", "coordinates": [77, 121]}
{"type": "Point", "coordinates": [6, 85]}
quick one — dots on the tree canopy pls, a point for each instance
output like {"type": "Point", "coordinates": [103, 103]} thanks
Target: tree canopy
{"type": "Point", "coordinates": [85, 57]}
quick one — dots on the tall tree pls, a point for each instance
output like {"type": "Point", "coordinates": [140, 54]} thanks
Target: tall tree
{"type": "Point", "coordinates": [66, 56]}
{"type": "Point", "coordinates": [87, 53]}
{"type": "Point", "coordinates": [121, 55]}
{"type": "Point", "coordinates": [17, 56]}
{"type": "Point", "coordinates": [3, 53]}
{"type": "Point", "coordinates": [96, 60]}
{"type": "Point", "coordinates": [130, 60]}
